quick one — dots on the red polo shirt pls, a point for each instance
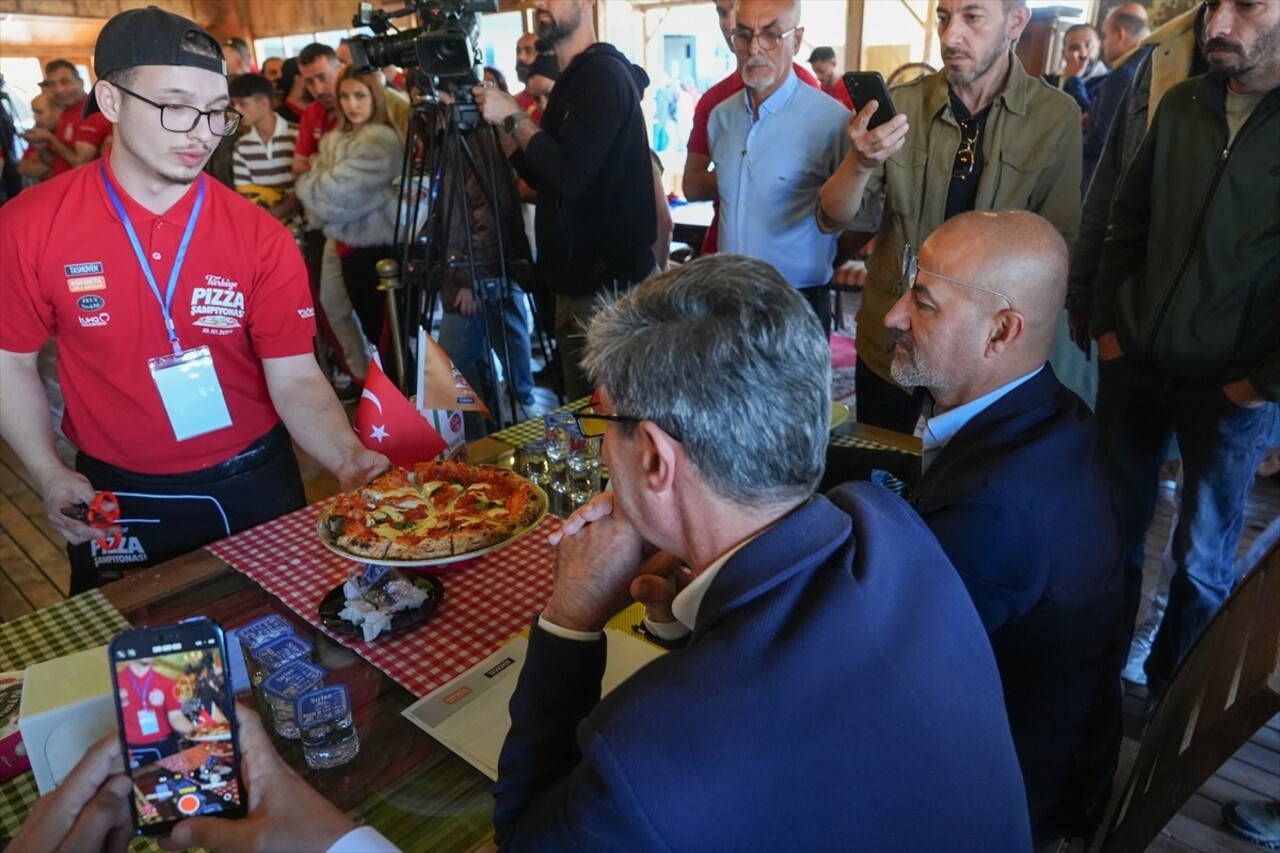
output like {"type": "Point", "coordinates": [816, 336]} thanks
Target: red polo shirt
{"type": "Point", "coordinates": [71, 273]}
{"type": "Point", "coordinates": [315, 123]}
{"type": "Point", "coordinates": [72, 129]}
{"type": "Point", "coordinates": [154, 693]}
{"type": "Point", "coordinates": [840, 92]}
{"type": "Point", "coordinates": [700, 144]}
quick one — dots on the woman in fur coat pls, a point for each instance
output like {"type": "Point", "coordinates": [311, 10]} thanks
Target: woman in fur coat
{"type": "Point", "coordinates": [350, 192]}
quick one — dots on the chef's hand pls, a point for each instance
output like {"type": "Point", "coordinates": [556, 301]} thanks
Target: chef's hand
{"type": "Point", "coordinates": [361, 467]}
{"type": "Point", "coordinates": [88, 811]}
{"type": "Point", "coordinates": [285, 813]}
{"type": "Point", "coordinates": [65, 489]}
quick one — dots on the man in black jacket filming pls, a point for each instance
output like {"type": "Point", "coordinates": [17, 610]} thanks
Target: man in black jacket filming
{"type": "Point", "coordinates": [589, 162]}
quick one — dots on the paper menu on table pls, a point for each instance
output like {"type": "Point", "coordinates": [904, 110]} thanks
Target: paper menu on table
{"type": "Point", "coordinates": [469, 714]}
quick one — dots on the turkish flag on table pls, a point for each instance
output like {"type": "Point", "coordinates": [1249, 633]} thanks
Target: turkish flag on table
{"type": "Point", "coordinates": [390, 424]}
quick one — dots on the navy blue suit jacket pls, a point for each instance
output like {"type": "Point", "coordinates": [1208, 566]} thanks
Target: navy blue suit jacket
{"type": "Point", "coordinates": [837, 691]}
{"type": "Point", "coordinates": [1019, 502]}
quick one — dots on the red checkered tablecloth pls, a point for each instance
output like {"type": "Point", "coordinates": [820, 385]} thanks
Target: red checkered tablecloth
{"type": "Point", "coordinates": [485, 604]}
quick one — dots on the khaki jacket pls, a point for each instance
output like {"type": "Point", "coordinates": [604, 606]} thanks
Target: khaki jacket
{"type": "Point", "coordinates": [1032, 149]}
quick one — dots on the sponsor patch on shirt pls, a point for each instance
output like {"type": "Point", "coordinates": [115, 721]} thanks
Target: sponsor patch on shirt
{"type": "Point", "coordinates": [217, 322]}
{"type": "Point", "coordinates": [306, 313]}
{"type": "Point", "coordinates": [90, 268]}
{"type": "Point", "coordinates": [92, 282]}
{"type": "Point", "coordinates": [94, 320]}
{"type": "Point", "coordinates": [90, 303]}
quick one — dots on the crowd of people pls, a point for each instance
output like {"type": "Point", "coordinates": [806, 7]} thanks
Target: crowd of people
{"type": "Point", "coordinates": [947, 662]}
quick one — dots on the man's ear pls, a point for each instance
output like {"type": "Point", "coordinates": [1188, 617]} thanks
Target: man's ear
{"type": "Point", "coordinates": [108, 98]}
{"type": "Point", "coordinates": [659, 453]}
{"type": "Point", "coordinates": [1006, 327]}
{"type": "Point", "coordinates": [1019, 17]}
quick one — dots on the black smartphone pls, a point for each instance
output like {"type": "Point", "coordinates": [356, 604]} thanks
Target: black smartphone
{"type": "Point", "coordinates": [177, 723]}
{"type": "Point", "coordinates": [867, 86]}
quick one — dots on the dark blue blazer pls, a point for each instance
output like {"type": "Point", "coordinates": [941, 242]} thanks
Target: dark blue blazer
{"type": "Point", "coordinates": [837, 692]}
{"type": "Point", "coordinates": [1018, 500]}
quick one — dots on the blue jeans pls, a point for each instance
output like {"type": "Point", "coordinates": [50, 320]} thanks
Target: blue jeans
{"type": "Point", "coordinates": [466, 343]}
{"type": "Point", "coordinates": [1139, 409]}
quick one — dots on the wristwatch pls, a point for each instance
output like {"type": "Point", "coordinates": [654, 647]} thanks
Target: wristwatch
{"type": "Point", "coordinates": [512, 122]}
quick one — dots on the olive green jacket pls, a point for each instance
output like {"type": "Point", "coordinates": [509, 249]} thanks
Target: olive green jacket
{"type": "Point", "coordinates": [1032, 149]}
{"type": "Point", "coordinates": [1190, 273]}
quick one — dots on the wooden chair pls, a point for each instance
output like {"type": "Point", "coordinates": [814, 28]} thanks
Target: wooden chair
{"type": "Point", "coordinates": [1226, 688]}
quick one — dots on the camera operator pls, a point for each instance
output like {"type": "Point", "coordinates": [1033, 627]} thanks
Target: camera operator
{"type": "Point", "coordinates": [589, 163]}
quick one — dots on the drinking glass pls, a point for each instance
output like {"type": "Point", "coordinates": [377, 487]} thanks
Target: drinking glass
{"type": "Point", "coordinates": [284, 686]}
{"type": "Point", "coordinates": [532, 464]}
{"type": "Point", "coordinates": [584, 470]}
{"type": "Point", "coordinates": [329, 736]}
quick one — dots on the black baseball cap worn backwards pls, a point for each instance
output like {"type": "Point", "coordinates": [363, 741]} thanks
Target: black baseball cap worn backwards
{"type": "Point", "coordinates": [152, 36]}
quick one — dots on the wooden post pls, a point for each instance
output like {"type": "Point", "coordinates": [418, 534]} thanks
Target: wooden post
{"type": "Point", "coordinates": [853, 35]}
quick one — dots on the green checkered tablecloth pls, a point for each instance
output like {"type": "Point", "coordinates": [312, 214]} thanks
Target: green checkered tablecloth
{"type": "Point", "coordinates": [531, 430]}
{"type": "Point", "coordinates": [70, 626]}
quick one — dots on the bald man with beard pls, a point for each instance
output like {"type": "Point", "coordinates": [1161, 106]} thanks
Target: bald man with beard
{"type": "Point", "coordinates": [1012, 488]}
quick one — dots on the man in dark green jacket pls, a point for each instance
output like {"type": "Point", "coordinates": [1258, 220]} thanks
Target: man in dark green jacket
{"type": "Point", "coordinates": [1187, 316]}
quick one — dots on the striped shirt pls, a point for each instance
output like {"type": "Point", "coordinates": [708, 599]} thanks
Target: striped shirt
{"type": "Point", "coordinates": [266, 163]}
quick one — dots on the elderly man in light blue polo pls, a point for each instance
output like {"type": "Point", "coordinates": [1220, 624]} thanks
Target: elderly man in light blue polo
{"type": "Point", "coordinates": [773, 147]}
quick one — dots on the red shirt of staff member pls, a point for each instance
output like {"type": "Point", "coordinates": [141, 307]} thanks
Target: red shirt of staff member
{"type": "Point", "coordinates": [699, 182]}
{"type": "Point", "coordinates": [71, 272]}
{"type": "Point", "coordinates": [151, 712]}
{"type": "Point", "coordinates": [79, 138]}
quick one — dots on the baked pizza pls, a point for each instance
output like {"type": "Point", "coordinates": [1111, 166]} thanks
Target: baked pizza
{"type": "Point", "coordinates": [435, 511]}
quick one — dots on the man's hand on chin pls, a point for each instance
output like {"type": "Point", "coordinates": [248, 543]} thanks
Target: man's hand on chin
{"type": "Point", "coordinates": [595, 565]}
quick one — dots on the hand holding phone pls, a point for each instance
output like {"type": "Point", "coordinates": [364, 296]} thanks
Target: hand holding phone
{"type": "Point", "coordinates": [178, 733]}
{"type": "Point", "coordinates": [88, 811]}
{"type": "Point", "coordinates": [865, 87]}
{"type": "Point", "coordinates": [285, 812]}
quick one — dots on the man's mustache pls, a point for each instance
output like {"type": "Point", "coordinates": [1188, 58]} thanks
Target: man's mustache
{"type": "Point", "coordinates": [1218, 43]}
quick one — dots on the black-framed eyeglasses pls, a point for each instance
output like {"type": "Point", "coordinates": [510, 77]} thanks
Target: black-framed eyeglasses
{"type": "Point", "coordinates": [967, 153]}
{"type": "Point", "coordinates": [769, 39]}
{"type": "Point", "coordinates": [911, 272]}
{"type": "Point", "coordinates": [593, 423]}
{"type": "Point", "coordinates": [180, 118]}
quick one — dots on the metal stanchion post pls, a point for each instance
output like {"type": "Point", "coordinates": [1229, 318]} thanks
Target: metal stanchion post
{"type": "Point", "coordinates": [389, 282]}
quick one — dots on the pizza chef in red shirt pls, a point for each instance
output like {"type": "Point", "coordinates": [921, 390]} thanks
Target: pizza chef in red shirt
{"type": "Point", "coordinates": [182, 317]}
{"type": "Point", "coordinates": [151, 711]}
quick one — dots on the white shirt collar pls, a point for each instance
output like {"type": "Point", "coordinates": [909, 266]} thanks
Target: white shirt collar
{"type": "Point", "coordinates": [686, 603]}
{"type": "Point", "coordinates": [941, 429]}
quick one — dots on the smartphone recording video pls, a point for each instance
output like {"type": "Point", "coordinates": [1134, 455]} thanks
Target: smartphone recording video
{"type": "Point", "coordinates": [177, 724]}
{"type": "Point", "coordinates": [865, 87]}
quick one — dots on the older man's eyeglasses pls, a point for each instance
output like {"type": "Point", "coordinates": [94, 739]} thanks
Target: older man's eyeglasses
{"type": "Point", "coordinates": [180, 118]}
{"type": "Point", "coordinates": [593, 422]}
{"type": "Point", "coordinates": [911, 272]}
{"type": "Point", "coordinates": [769, 39]}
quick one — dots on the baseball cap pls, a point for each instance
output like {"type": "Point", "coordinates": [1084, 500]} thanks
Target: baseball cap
{"type": "Point", "coordinates": [152, 36]}
{"type": "Point", "coordinates": [822, 54]}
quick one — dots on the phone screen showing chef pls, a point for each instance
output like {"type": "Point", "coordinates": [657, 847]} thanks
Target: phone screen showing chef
{"type": "Point", "coordinates": [177, 724]}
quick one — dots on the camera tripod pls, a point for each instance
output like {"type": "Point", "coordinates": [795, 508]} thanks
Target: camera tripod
{"type": "Point", "coordinates": [459, 226]}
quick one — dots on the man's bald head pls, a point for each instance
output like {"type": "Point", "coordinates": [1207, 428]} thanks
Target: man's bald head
{"type": "Point", "coordinates": [984, 306]}
{"type": "Point", "coordinates": [1014, 252]}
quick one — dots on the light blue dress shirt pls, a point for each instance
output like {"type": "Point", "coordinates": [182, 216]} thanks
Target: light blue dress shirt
{"type": "Point", "coordinates": [941, 429]}
{"type": "Point", "coordinates": [769, 172]}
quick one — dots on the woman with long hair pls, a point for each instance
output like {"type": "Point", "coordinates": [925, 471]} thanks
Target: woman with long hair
{"type": "Point", "coordinates": [350, 192]}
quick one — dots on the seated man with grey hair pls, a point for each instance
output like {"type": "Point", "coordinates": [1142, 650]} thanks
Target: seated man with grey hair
{"type": "Point", "coordinates": [1014, 491]}
{"type": "Point", "coordinates": [836, 688]}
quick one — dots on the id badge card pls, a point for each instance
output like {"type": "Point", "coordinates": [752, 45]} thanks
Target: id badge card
{"type": "Point", "coordinates": [148, 723]}
{"type": "Point", "coordinates": [191, 393]}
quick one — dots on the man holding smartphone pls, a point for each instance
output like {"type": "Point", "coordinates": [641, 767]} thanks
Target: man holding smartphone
{"type": "Point", "coordinates": [981, 134]}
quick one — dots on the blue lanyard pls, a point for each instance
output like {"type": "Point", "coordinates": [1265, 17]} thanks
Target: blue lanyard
{"type": "Point", "coordinates": [144, 688]}
{"type": "Point", "coordinates": [166, 301]}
